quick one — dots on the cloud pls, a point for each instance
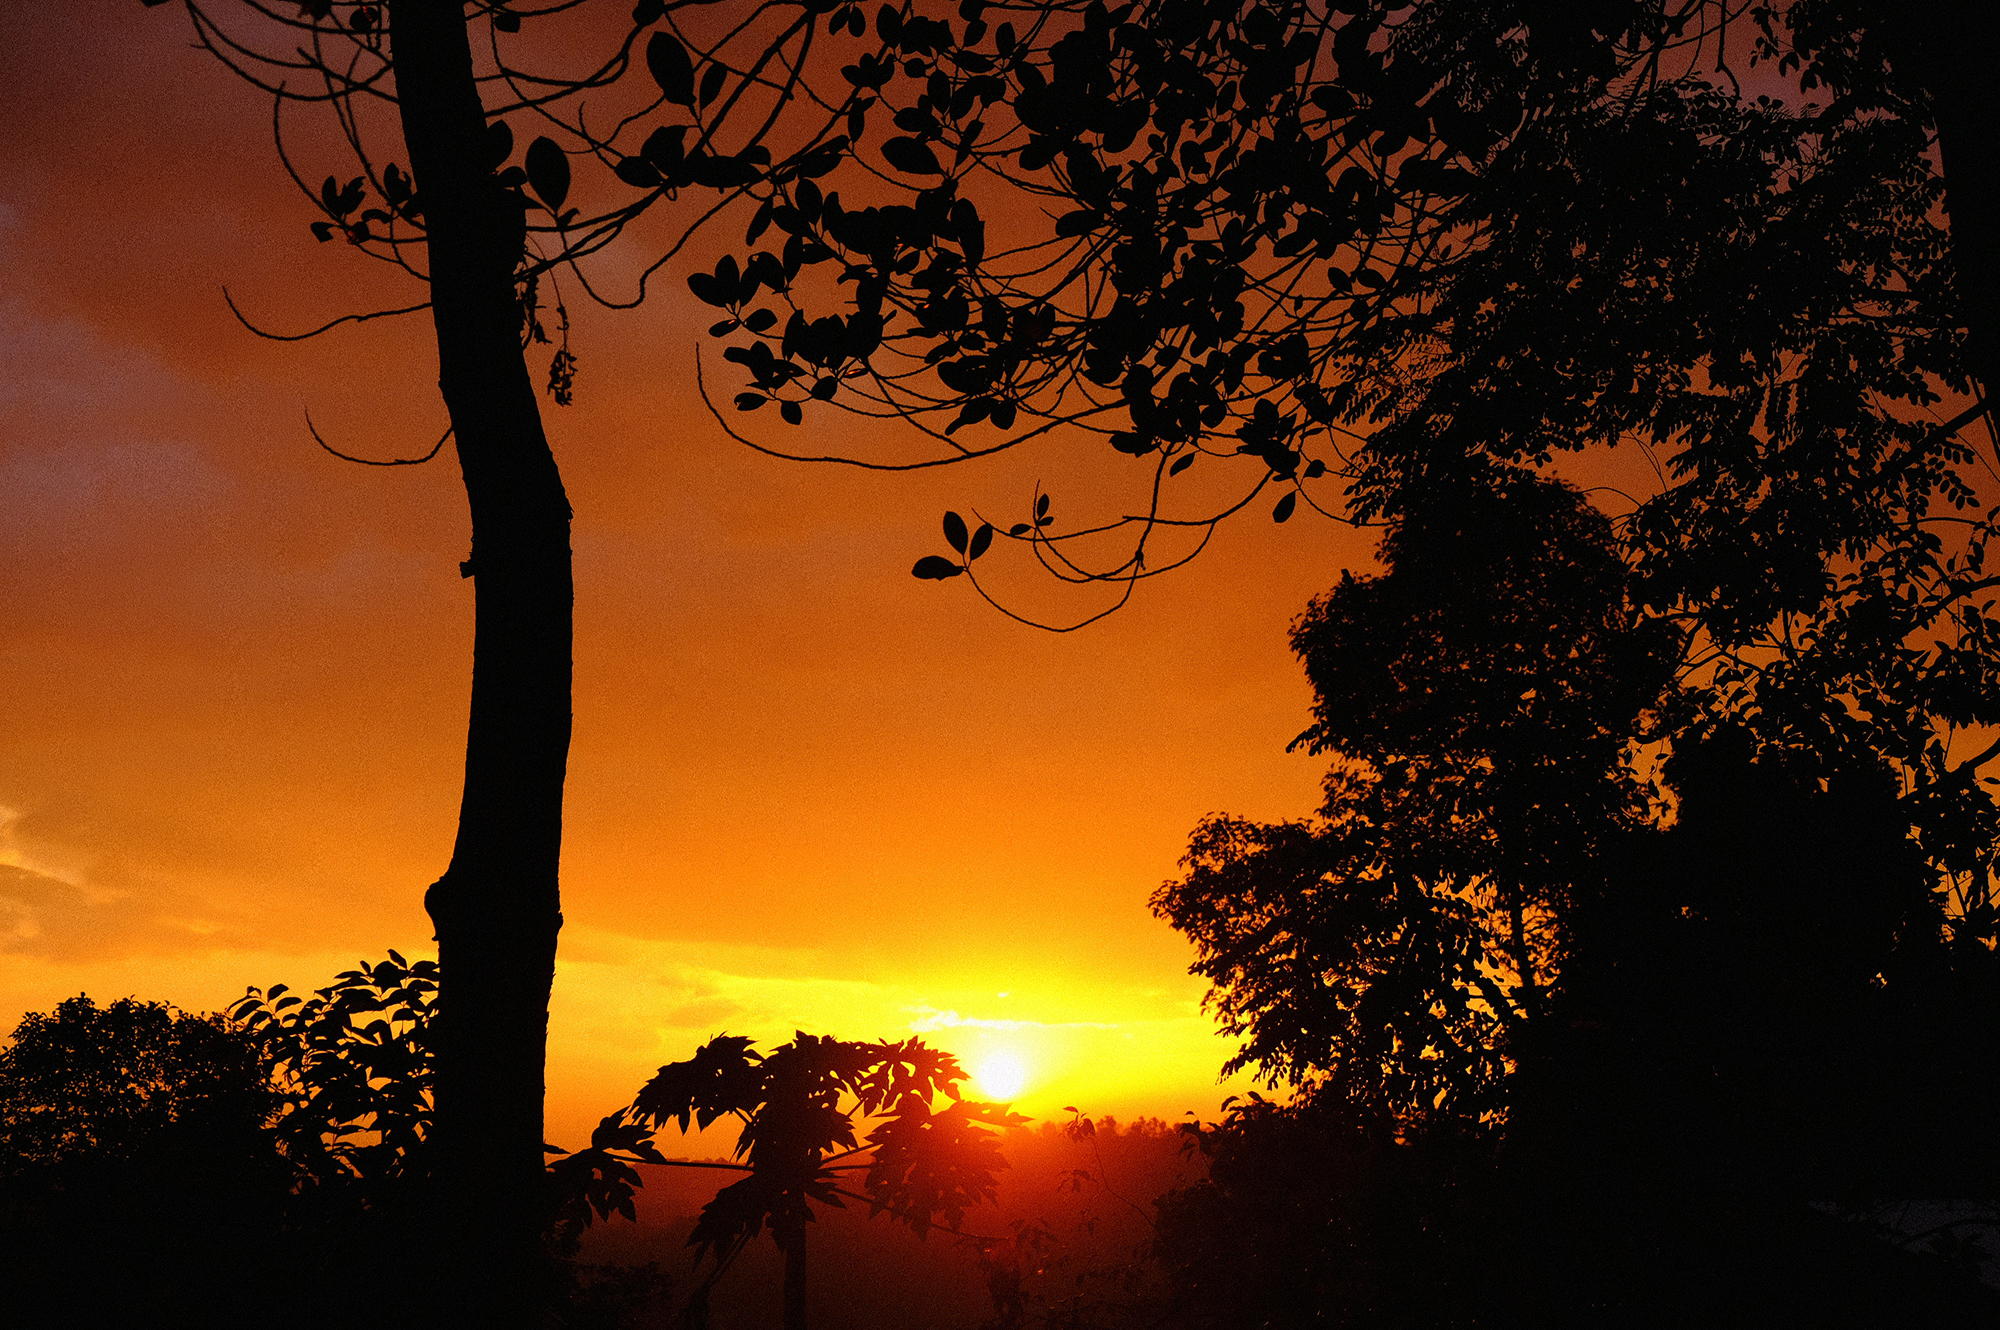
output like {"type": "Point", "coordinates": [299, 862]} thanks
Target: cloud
{"type": "Point", "coordinates": [50, 917]}
{"type": "Point", "coordinates": [928, 1018]}
{"type": "Point", "coordinates": [56, 906]}
{"type": "Point", "coordinates": [27, 899]}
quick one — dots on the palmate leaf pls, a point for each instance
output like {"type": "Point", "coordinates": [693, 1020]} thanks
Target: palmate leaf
{"type": "Point", "coordinates": [908, 1070]}
{"type": "Point", "coordinates": [724, 1076]}
{"type": "Point", "coordinates": [929, 1166]}
{"type": "Point", "coordinates": [595, 1182]}
{"type": "Point", "coordinates": [738, 1213]}
{"type": "Point", "coordinates": [801, 1105]}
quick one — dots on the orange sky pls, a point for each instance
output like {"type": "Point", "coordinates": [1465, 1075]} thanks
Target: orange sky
{"type": "Point", "coordinates": [807, 791]}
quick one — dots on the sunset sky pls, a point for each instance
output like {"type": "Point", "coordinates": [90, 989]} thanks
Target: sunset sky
{"type": "Point", "coordinates": [806, 790]}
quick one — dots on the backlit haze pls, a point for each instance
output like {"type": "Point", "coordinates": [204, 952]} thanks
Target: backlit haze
{"type": "Point", "coordinates": [806, 792]}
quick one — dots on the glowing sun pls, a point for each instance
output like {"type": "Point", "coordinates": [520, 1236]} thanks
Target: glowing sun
{"type": "Point", "coordinates": [1000, 1075]}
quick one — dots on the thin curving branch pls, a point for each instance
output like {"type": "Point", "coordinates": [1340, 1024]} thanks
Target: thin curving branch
{"type": "Point", "coordinates": [267, 335]}
{"type": "Point", "coordinates": [370, 461]}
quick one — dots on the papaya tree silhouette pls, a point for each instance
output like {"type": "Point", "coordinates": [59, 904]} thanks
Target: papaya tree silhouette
{"type": "Point", "coordinates": [815, 1112]}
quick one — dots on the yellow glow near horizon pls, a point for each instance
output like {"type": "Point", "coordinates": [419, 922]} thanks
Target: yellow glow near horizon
{"type": "Point", "coordinates": [1001, 1076]}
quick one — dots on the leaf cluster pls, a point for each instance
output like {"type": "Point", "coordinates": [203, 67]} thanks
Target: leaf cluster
{"type": "Point", "coordinates": [817, 1109]}
{"type": "Point", "coordinates": [353, 1066]}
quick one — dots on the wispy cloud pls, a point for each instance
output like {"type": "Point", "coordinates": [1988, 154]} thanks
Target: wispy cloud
{"type": "Point", "coordinates": [61, 905]}
{"type": "Point", "coordinates": [928, 1018]}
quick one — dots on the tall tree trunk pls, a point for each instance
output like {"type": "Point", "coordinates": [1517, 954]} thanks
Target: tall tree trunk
{"type": "Point", "coordinates": [496, 909]}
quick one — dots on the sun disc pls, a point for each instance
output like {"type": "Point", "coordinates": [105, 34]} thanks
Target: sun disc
{"type": "Point", "coordinates": [1001, 1076]}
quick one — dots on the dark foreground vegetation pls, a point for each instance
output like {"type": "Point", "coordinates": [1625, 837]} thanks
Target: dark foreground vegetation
{"type": "Point", "coordinates": [163, 1168]}
{"type": "Point", "coordinates": [169, 1169]}
{"type": "Point", "coordinates": [1646, 935]}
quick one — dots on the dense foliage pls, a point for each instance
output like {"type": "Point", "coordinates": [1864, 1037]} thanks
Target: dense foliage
{"type": "Point", "coordinates": [134, 1152]}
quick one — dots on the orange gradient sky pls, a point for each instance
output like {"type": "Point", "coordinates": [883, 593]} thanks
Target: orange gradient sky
{"type": "Point", "coordinates": [807, 791]}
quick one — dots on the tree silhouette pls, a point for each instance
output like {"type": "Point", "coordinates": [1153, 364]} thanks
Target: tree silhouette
{"type": "Point", "coordinates": [490, 241]}
{"type": "Point", "coordinates": [1392, 253]}
{"type": "Point", "coordinates": [804, 1107]}
{"type": "Point", "coordinates": [1256, 219]}
{"type": "Point", "coordinates": [177, 1168]}
{"type": "Point", "coordinates": [1477, 698]}
{"type": "Point", "coordinates": [1362, 253]}
{"type": "Point", "coordinates": [134, 1151]}
{"type": "Point", "coordinates": [354, 1065]}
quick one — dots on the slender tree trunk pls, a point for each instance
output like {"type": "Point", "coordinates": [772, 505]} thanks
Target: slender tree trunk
{"type": "Point", "coordinates": [795, 1279]}
{"type": "Point", "coordinates": [496, 909]}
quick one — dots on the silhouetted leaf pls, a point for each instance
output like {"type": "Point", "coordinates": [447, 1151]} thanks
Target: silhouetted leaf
{"type": "Point", "coordinates": [954, 531]}
{"type": "Point", "coordinates": [982, 540]}
{"type": "Point", "coordinates": [667, 61]}
{"type": "Point", "coordinates": [711, 82]}
{"type": "Point", "coordinates": [911, 156]}
{"type": "Point", "coordinates": [665, 149]}
{"type": "Point", "coordinates": [1080, 222]}
{"type": "Point", "coordinates": [1285, 506]}
{"type": "Point", "coordinates": [548, 172]}
{"type": "Point", "coordinates": [637, 172]}
{"type": "Point", "coordinates": [935, 567]}
{"type": "Point", "coordinates": [499, 143]}
{"type": "Point", "coordinates": [711, 290]}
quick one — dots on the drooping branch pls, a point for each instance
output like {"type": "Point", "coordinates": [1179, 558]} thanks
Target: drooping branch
{"type": "Point", "coordinates": [370, 461]}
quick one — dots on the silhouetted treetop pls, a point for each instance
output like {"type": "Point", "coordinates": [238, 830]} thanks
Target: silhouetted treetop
{"type": "Point", "coordinates": [104, 1085]}
{"type": "Point", "coordinates": [1478, 699]}
{"type": "Point", "coordinates": [1500, 632]}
